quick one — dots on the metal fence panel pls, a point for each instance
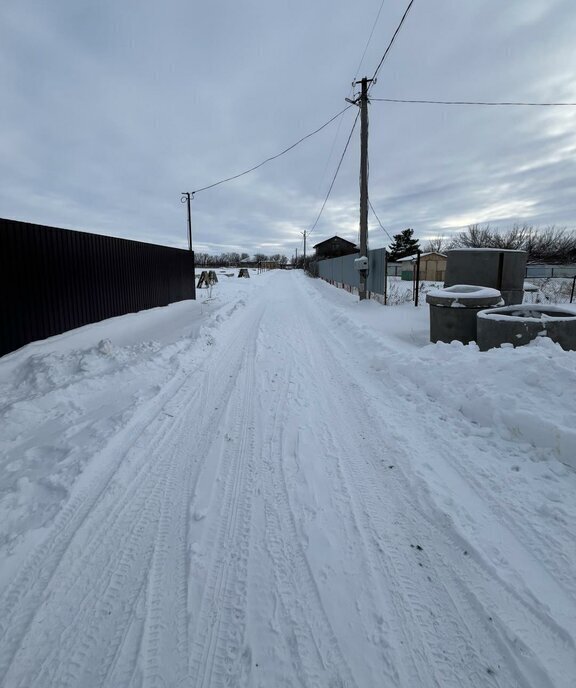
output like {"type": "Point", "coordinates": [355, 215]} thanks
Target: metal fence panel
{"type": "Point", "coordinates": [342, 270]}
{"type": "Point", "coordinates": [546, 271]}
{"type": "Point", "coordinates": [53, 280]}
{"type": "Point", "coordinates": [376, 270]}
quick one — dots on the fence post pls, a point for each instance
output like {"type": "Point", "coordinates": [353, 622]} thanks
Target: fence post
{"type": "Point", "coordinates": [417, 273]}
{"type": "Point", "coordinates": [385, 276]}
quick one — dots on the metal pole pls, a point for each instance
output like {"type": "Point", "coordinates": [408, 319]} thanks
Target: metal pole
{"type": "Point", "coordinates": [417, 278]}
{"type": "Point", "coordinates": [573, 285]}
{"type": "Point", "coordinates": [385, 276]}
{"type": "Point", "coordinates": [186, 197]}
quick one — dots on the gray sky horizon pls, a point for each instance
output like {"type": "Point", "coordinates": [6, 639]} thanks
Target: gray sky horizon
{"type": "Point", "coordinates": [111, 110]}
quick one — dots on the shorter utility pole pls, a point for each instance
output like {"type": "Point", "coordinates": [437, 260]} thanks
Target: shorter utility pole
{"type": "Point", "coordinates": [304, 234]}
{"type": "Point", "coordinates": [296, 264]}
{"type": "Point", "coordinates": [187, 196]}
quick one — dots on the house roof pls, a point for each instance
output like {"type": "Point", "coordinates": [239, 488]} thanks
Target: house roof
{"type": "Point", "coordinates": [340, 239]}
{"type": "Point", "coordinates": [422, 255]}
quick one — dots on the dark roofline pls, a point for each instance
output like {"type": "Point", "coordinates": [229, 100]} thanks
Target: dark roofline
{"type": "Point", "coordinates": [335, 237]}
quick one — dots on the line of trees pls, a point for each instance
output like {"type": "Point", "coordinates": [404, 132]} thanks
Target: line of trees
{"type": "Point", "coordinates": [233, 258]}
{"type": "Point", "coordinates": [547, 245]}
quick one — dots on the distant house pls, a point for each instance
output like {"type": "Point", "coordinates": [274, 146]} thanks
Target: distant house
{"type": "Point", "coordinates": [334, 247]}
{"type": "Point", "coordinates": [432, 266]}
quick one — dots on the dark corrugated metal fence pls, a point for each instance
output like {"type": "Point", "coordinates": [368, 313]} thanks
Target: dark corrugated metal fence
{"type": "Point", "coordinates": [53, 280]}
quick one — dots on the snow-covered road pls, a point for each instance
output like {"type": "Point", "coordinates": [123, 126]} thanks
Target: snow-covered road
{"type": "Point", "coordinates": [268, 490]}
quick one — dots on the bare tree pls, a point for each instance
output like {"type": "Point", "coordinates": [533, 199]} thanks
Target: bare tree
{"type": "Point", "coordinates": [436, 245]}
{"type": "Point", "coordinates": [552, 245]}
{"type": "Point", "coordinates": [548, 245]}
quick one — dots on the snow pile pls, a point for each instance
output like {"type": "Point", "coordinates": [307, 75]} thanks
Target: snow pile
{"type": "Point", "coordinates": [62, 399]}
{"type": "Point", "coordinates": [525, 395]}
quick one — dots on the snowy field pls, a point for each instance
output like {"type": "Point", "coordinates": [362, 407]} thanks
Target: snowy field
{"type": "Point", "coordinates": [276, 485]}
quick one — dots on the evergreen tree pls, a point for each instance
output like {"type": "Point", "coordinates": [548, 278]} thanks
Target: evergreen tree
{"type": "Point", "coordinates": [403, 245]}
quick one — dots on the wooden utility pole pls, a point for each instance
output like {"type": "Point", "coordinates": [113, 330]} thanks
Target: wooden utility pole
{"type": "Point", "coordinates": [186, 197]}
{"type": "Point", "coordinates": [362, 102]}
{"type": "Point", "coordinates": [304, 234]}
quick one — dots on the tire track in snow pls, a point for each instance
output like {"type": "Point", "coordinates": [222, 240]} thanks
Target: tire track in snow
{"type": "Point", "coordinates": [316, 654]}
{"type": "Point", "coordinates": [520, 613]}
{"type": "Point", "coordinates": [21, 600]}
{"type": "Point", "coordinates": [457, 610]}
{"type": "Point", "coordinates": [485, 489]}
{"type": "Point", "coordinates": [121, 537]}
{"type": "Point", "coordinates": [123, 526]}
{"type": "Point", "coordinates": [412, 661]}
{"type": "Point", "coordinates": [217, 650]}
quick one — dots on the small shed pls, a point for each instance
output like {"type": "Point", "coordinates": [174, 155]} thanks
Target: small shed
{"type": "Point", "coordinates": [432, 266]}
{"type": "Point", "coordinates": [334, 247]}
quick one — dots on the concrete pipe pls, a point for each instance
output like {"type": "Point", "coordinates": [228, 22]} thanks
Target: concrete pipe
{"type": "Point", "coordinates": [519, 325]}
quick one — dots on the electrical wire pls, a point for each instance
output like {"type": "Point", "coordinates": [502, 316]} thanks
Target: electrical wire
{"type": "Point", "coordinates": [470, 102]}
{"type": "Point", "coordinates": [273, 157]}
{"type": "Point", "coordinates": [335, 174]}
{"type": "Point", "coordinates": [391, 42]}
{"type": "Point", "coordinates": [350, 93]}
{"type": "Point", "coordinates": [368, 41]}
{"type": "Point", "coordinates": [376, 216]}
{"type": "Point", "coordinates": [352, 89]}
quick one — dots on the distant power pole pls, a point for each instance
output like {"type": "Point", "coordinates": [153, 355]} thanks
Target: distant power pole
{"type": "Point", "coordinates": [186, 198]}
{"type": "Point", "coordinates": [304, 233]}
{"type": "Point", "coordinates": [296, 258]}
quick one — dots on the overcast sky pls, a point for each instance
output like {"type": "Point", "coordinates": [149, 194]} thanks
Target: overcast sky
{"type": "Point", "coordinates": [110, 109]}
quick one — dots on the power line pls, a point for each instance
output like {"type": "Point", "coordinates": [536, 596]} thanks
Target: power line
{"type": "Point", "coordinates": [273, 157]}
{"type": "Point", "coordinates": [471, 102]}
{"type": "Point", "coordinates": [392, 40]}
{"type": "Point", "coordinates": [368, 41]}
{"type": "Point", "coordinates": [332, 147]}
{"type": "Point", "coordinates": [381, 225]}
{"type": "Point", "coordinates": [336, 173]}
{"type": "Point", "coordinates": [354, 81]}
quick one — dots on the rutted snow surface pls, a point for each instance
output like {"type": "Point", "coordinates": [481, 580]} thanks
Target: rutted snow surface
{"type": "Point", "coordinates": [278, 486]}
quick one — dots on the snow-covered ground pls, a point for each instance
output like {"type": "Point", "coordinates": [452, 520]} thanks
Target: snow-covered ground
{"type": "Point", "coordinates": [276, 485]}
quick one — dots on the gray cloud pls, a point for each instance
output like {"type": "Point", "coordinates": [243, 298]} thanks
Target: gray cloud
{"type": "Point", "coordinates": [110, 110]}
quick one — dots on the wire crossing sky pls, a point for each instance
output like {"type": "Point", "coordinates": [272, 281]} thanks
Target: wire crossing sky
{"type": "Point", "coordinates": [468, 102]}
{"type": "Point", "coordinates": [273, 157]}
{"type": "Point", "coordinates": [110, 110]}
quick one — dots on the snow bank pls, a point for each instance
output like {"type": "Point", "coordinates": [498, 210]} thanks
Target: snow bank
{"type": "Point", "coordinates": [525, 395]}
{"type": "Point", "coordinates": [63, 398]}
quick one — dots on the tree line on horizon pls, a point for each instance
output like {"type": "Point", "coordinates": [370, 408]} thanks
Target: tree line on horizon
{"type": "Point", "coordinates": [548, 245]}
{"type": "Point", "coordinates": [233, 258]}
